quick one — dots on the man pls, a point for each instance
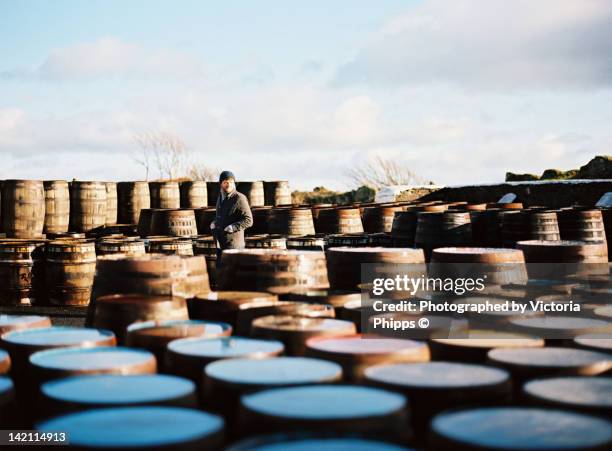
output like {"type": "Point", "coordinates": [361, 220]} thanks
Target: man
{"type": "Point", "coordinates": [232, 217]}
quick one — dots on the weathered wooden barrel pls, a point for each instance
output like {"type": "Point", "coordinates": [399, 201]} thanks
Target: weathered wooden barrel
{"type": "Point", "coordinates": [581, 224]}
{"type": "Point", "coordinates": [66, 235]}
{"type": "Point", "coordinates": [261, 217]}
{"type": "Point", "coordinates": [349, 240]}
{"type": "Point", "coordinates": [57, 206]}
{"type": "Point", "coordinates": [204, 217]}
{"type": "Point", "coordinates": [87, 206]}
{"type": "Point", "coordinates": [339, 220]}
{"type": "Point", "coordinates": [144, 222]}
{"type": "Point", "coordinates": [142, 427]}
{"type": "Point", "coordinates": [193, 194]}
{"type": "Point", "coordinates": [379, 218]}
{"type": "Point", "coordinates": [165, 195]}
{"type": "Point", "coordinates": [506, 206]}
{"type": "Point", "coordinates": [23, 208]}
{"type": "Point", "coordinates": [343, 409]}
{"type": "Point", "coordinates": [487, 227]}
{"type": "Point", "coordinates": [117, 311]}
{"type": "Point", "coordinates": [355, 354]}
{"type": "Point", "coordinates": [212, 191]}
{"type": "Point", "coordinates": [564, 251]}
{"type": "Point", "coordinates": [154, 335]}
{"type": "Point", "coordinates": [207, 247]}
{"type": "Point", "coordinates": [382, 239]}
{"type": "Point", "coordinates": [294, 331]}
{"type": "Point", "coordinates": [433, 387]}
{"type": "Point", "coordinates": [276, 271]}
{"type": "Point", "coordinates": [560, 326]}
{"type": "Point", "coordinates": [188, 356]}
{"type": "Point", "coordinates": [22, 272]}
{"type": "Point", "coordinates": [335, 298]}
{"type": "Point", "coordinates": [505, 427]}
{"type": "Point", "coordinates": [277, 193]}
{"type": "Point", "coordinates": [111, 203]}
{"type": "Point", "coordinates": [266, 242]}
{"type": "Point", "coordinates": [124, 246]}
{"type": "Point", "coordinates": [403, 227]}
{"type": "Point", "coordinates": [344, 263]}
{"type": "Point", "coordinates": [79, 393]}
{"type": "Point", "coordinates": [442, 229]}
{"type": "Point", "coordinates": [522, 225]}
{"type": "Point", "coordinates": [69, 271]}
{"type": "Point", "coordinates": [171, 246]}
{"type": "Point", "coordinates": [307, 243]}
{"type": "Point", "coordinates": [254, 191]}
{"type": "Point", "coordinates": [173, 222]}
{"type": "Point", "coordinates": [291, 221]}
{"type": "Point", "coordinates": [9, 323]}
{"type": "Point", "coordinates": [131, 198]}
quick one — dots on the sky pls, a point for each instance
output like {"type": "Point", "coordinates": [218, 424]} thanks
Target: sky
{"type": "Point", "coordinates": [458, 91]}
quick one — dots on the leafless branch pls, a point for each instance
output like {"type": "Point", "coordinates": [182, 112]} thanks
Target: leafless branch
{"type": "Point", "coordinates": [378, 172]}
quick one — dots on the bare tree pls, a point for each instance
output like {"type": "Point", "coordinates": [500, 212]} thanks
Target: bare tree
{"type": "Point", "coordinates": [165, 151]}
{"type": "Point", "coordinates": [202, 172]}
{"type": "Point", "coordinates": [378, 172]}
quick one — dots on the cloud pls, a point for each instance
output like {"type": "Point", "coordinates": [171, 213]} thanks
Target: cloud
{"type": "Point", "coordinates": [110, 58]}
{"type": "Point", "coordinates": [493, 44]}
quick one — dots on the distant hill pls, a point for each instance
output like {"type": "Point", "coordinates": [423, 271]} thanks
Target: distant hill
{"type": "Point", "coordinates": [599, 167]}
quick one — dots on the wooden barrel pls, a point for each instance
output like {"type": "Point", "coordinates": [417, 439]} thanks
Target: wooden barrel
{"type": "Point", "coordinates": [69, 270]}
{"type": "Point", "coordinates": [606, 214]}
{"type": "Point", "coordinates": [559, 326]}
{"type": "Point", "coordinates": [379, 218]}
{"type": "Point", "coordinates": [261, 217]}
{"type": "Point", "coordinates": [225, 381]}
{"type": "Point", "coordinates": [10, 323]}
{"type": "Point", "coordinates": [57, 206]}
{"type": "Point", "coordinates": [117, 311]}
{"type": "Point", "coordinates": [403, 227]}
{"type": "Point", "coordinates": [343, 409]}
{"type": "Point", "coordinates": [207, 247]}
{"type": "Point", "coordinates": [87, 206]}
{"type": "Point", "coordinates": [442, 229]}
{"type": "Point", "coordinates": [276, 271]}
{"type": "Point", "coordinates": [344, 263]}
{"type": "Point", "coordinates": [173, 222]}
{"type": "Point", "coordinates": [316, 242]}
{"type": "Point", "coordinates": [212, 191]}
{"type": "Point", "coordinates": [80, 393]}
{"type": "Point", "coordinates": [170, 246]}
{"type": "Point", "coordinates": [254, 191]}
{"type": "Point", "coordinates": [22, 272]}
{"type": "Point", "coordinates": [131, 198]}
{"type": "Point", "coordinates": [188, 356]}
{"type": "Point", "coordinates": [204, 217]}
{"type": "Point", "coordinates": [339, 220]}
{"type": "Point", "coordinates": [594, 342]}
{"type": "Point", "coordinates": [154, 335]}
{"type": "Point", "coordinates": [144, 222]}
{"type": "Point", "coordinates": [266, 242]}
{"type": "Point", "coordinates": [563, 251]}
{"type": "Point", "coordinates": [291, 221]}
{"type": "Point", "coordinates": [124, 246]}
{"type": "Point", "coordinates": [487, 227]}
{"type": "Point", "coordinates": [165, 195]}
{"type": "Point", "coordinates": [355, 354]}
{"type": "Point", "coordinates": [277, 193]}
{"type": "Point", "coordinates": [349, 240]}
{"type": "Point", "coordinates": [581, 224]}
{"type": "Point", "coordinates": [193, 194]}
{"type": "Point", "coordinates": [433, 387]}
{"type": "Point", "coordinates": [497, 428]}
{"type": "Point", "coordinates": [142, 428]}
{"type": "Point", "coordinates": [335, 298]}
{"type": "Point", "coordinates": [23, 208]}
{"type": "Point", "coordinates": [111, 203]}
{"type": "Point", "coordinates": [294, 332]}
{"type": "Point", "coordinates": [522, 225]}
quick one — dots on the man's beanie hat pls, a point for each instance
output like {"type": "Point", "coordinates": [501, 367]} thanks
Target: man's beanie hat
{"type": "Point", "coordinates": [226, 175]}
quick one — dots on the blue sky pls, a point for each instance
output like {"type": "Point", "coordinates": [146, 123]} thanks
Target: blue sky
{"type": "Point", "coordinates": [458, 91]}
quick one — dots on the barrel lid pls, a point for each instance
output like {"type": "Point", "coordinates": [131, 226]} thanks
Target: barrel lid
{"type": "Point", "coordinates": [58, 336]}
{"type": "Point", "coordinates": [324, 402]}
{"type": "Point", "coordinates": [559, 325]}
{"type": "Point", "coordinates": [298, 324]}
{"type": "Point", "coordinates": [180, 328]}
{"type": "Point", "coordinates": [597, 342]}
{"type": "Point", "coordinates": [436, 375]}
{"type": "Point", "coordinates": [238, 297]}
{"type": "Point", "coordinates": [135, 427]}
{"type": "Point", "coordinates": [521, 428]}
{"type": "Point", "coordinates": [15, 322]}
{"type": "Point", "coordinates": [273, 371]}
{"type": "Point", "coordinates": [305, 443]}
{"type": "Point", "coordinates": [488, 339]}
{"type": "Point", "coordinates": [92, 359]}
{"type": "Point", "coordinates": [573, 392]}
{"type": "Point", "coordinates": [225, 347]}
{"type": "Point", "coordinates": [550, 358]}
{"type": "Point", "coordinates": [357, 347]}
{"type": "Point", "coordinates": [115, 389]}
{"type": "Point", "coordinates": [604, 312]}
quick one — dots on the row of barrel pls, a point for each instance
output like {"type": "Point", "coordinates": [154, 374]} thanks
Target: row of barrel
{"type": "Point", "coordinates": [30, 208]}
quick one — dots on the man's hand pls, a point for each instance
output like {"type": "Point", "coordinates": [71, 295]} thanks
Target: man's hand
{"type": "Point", "coordinates": [212, 225]}
{"type": "Point", "coordinates": [231, 228]}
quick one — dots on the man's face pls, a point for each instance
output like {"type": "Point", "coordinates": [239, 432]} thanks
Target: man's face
{"type": "Point", "coordinates": [228, 185]}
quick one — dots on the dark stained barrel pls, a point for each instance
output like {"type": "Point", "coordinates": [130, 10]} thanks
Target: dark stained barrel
{"type": "Point", "coordinates": [22, 273]}
{"type": "Point", "coordinates": [349, 240]}
{"type": "Point", "coordinates": [403, 227]}
{"type": "Point", "coordinates": [531, 224]}
{"type": "Point", "coordinates": [131, 198]}
{"type": "Point", "coordinates": [173, 222]}
{"type": "Point", "coordinates": [564, 251]}
{"type": "Point", "coordinates": [69, 269]}
{"type": "Point", "coordinates": [124, 246]}
{"type": "Point", "coordinates": [266, 242]}
{"type": "Point", "coordinates": [261, 217]}
{"type": "Point", "coordinates": [581, 224]}
{"type": "Point", "coordinates": [442, 229]}
{"type": "Point", "coordinates": [207, 247]}
{"type": "Point", "coordinates": [307, 242]}
{"type": "Point", "coordinates": [57, 206]}
{"type": "Point", "coordinates": [339, 220]}
{"type": "Point", "coordinates": [23, 208]}
{"type": "Point", "coordinates": [165, 195]}
{"type": "Point", "coordinates": [204, 217]}
{"type": "Point", "coordinates": [193, 194]}
{"type": "Point", "coordinates": [212, 191]}
{"type": "Point", "coordinates": [291, 221]}
{"type": "Point", "coordinates": [87, 206]}
{"type": "Point", "coordinates": [379, 218]}
{"type": "Point", "coordinates": [487, 227]}
{"type": "Point", "coordinates": [277, 193]}
{"type": "Point", "coordinates": [111, 203]}
{"type": "Point", "coordinates": [170, 246]}
{"type": "Point", "coordinates": [144, 222]}
{"type": "Point", "coordinates": [254, 191]}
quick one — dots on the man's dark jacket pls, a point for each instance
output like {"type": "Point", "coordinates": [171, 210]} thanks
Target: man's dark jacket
{"type": "Point", "coordinates": [234, 210]}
